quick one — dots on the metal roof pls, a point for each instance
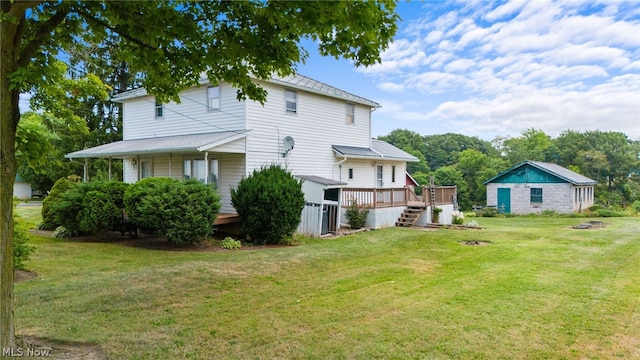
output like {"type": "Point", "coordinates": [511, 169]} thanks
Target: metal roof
{"type": "Point", "coordinates": [379, 150]}
{"type": "Point", "coordinates": [295, 81]}
{"type": "Point", "coordinates": [178, 143]}
{"type": "Point", "coordinates": [553, 169]}
{"type": "Point", "coordinates": [322, 181]}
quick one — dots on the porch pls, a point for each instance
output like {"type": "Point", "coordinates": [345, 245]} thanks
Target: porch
{"type": "Point", "coordinates": [399, 197]}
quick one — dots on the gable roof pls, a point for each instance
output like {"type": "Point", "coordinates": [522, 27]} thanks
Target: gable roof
{"type": "Point", "coordinates": [379, 150]}
{"type": "Point", "coordinates": [178, 143]}
{"type": "Point", "coordinates": [552, 169]}
{"type": "Point", "coordinates": [295, 81]}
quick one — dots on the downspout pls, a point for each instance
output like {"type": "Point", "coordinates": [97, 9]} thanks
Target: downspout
{"type": "Point", "coordinates": [344, 158]}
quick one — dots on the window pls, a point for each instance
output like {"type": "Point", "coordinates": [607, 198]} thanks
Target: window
{"type": "Point", "coordinates": [146, 169]}
{"type": "Point", "coordinates": [393, 173]}
{"type": "Point", "coordinates": [351, 114]}
{"type": "Point", "coordinates": [350, 174]}
{"type": "Point", "coordinates": [159, 109]}
{"type": "Point", "coordinates": [291, 101]}
{"type": "Point", "coordinates": [536, 195]}
{"type": "Point", "coordinates": [379, 176]}
{"type": "Point", "coordinates": [213, 98]}
{"type": "Point", "coordinates": [195, 169]}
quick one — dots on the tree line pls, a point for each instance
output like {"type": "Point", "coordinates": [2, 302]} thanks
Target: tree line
{"type": "Point", "coordinates": [610, 158]}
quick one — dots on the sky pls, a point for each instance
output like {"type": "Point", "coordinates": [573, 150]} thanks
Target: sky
{"type": "Point", "coordinates": [497, 68]}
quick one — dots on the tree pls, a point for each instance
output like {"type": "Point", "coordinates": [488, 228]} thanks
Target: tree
{"type": "Point", "coordinates": [235, 42]}
{"type": "Point", "coordinates": [531, 145]}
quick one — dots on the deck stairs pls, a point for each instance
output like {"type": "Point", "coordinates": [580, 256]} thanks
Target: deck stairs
{"type": "Point", "coordinates": [410, 216]}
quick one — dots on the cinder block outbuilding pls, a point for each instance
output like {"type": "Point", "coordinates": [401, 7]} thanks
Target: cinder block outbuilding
{"type": "Point", "coordinates": [534, 186]}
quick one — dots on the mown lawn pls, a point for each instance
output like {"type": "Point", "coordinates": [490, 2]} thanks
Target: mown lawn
{"type": "Point", "coordinates": [539, 289]}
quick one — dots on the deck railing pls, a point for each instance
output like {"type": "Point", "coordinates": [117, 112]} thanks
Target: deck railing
{"type": "Point", "coordinates": [382, 198]}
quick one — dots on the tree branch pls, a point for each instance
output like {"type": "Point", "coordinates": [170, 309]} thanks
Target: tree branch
{"type": "Point", "coordinates": [114, 29]}
{"type": "Point", "coordinates": [42, 34]}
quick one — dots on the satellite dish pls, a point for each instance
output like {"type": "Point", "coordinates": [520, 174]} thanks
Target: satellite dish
{"type": "Point", "coordinates": [288, 143]}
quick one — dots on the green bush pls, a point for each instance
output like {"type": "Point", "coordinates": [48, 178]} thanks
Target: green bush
{"type": "Point", "coordinates": [183, 212]}
{"type": "Point", "coordinates": [230, 244]}
{"type": "Point", "coordinates": [608, 213]}
{"type": "Point", "coordinates": [90, 208]}
{"type": "Point", "coordinates": [269, 203]}
{"type": "Point", "coordinates": [21, 250]}
{"type": "Point", "coordinates": [356, 215]}
{"type": "Point", "coordinates": [61, 186]}
{"type": "Point", "coordinates": [488, 212]}
{"type": "Point", "coordinates": [62, 232]}
{"type": "Point", "coordinates": [636, 206]}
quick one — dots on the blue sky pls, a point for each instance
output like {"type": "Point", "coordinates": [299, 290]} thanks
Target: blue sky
{"type": "Point", "coordinates": [496, 68]}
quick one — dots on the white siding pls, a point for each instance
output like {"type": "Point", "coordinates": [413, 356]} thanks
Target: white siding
{"type": "Point", "coordinates": [191, 116]}
{"type": "Point", "coordinates": [318, 123]}
{"type": "Point", "coordinates": [364, 173]}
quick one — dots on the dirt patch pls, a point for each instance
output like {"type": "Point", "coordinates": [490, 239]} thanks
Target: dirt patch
{"type": "Point", "coordinates": [475, 242]}
{"type": "Point", "coordinates": [30, 347]}
{"type": "Point", "coordinates": [24, 275]}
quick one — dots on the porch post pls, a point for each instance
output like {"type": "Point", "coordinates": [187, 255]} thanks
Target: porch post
{"type": "Point", "coordinates": [109, 169]}
{"type": "Point", "coordinates": [170, 165]}
{"type": "Point", "coordinates": [206, 167]}
{"type": "Point", "coordinates": [85, 175]}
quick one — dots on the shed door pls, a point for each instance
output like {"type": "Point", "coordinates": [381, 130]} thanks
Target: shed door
{"type": "Point", "coordinates": [504, 200]}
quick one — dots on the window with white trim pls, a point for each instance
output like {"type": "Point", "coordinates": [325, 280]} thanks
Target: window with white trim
{"type": "Point", "coordinates": [195, 169]}
{"type": "Point", "coordinates": [291, 101]}
{"type": "Point", "coordinates": [351, 114]}
{"type": "Point", "coordinates": [159, 109]}
{"type": "Point", "coordinates": [213, 98]}
{"type": "Point", "coordinates": [146, 169]}
{"type": "Point", "coordinates": [351, 174]}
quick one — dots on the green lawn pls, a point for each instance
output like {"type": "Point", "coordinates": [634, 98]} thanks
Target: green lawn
{"type": "Point", "coordinates": [538, 290]}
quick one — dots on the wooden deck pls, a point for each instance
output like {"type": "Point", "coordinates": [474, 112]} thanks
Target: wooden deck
{"type": "Point", "coordinates": [226, 219]}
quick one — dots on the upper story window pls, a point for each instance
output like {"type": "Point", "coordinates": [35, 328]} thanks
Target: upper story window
{"type": "Point", "coordinates": [291, 101]}
{"type": "Point", "coordinates": [213, 98]}
{"type": "Point", "coordinates": [159, 109]}
{"type": "Point", "coordinates": [351, 114]}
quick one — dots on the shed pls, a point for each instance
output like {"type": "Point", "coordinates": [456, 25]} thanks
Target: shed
{"type": "Point", "coordinates": [534, 186]}
{"type": "Point", "coordinates": [21, 189]}
{"type": "Point", "coordinates": [321, 212]}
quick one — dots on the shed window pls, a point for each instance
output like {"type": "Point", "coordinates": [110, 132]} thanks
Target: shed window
{"type": "Point", "coordinates": [351, 114]}
{"type": "Point", "coordinates": [536, 195]}
{"type": "Point", "coordinates": [213, 98]}
{"type": "Point", "coordinates": [291, 101]}
{"type": "Point", "coordinates": [159, 109]}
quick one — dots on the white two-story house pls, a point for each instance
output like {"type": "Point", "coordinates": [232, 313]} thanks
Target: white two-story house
{"type": "Point", "coordinates": [318, 132]}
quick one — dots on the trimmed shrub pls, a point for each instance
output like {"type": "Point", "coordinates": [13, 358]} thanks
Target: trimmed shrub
{"type": "Point", "coordinates": [636, 206]}
{"type": "Point", "coordinates": [356, 215]}
{"type": "Point", "coordinates": [183, 212]}
{"type": "Point", "coordinates": [92, 207]}
{"type": "Point", "coordinates": [269, 203]}
{"type": "Point", "coordinates": [61, 186]}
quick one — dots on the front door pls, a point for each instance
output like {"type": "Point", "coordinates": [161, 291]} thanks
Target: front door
{"type": "Point", "coordinates": [504, 200]}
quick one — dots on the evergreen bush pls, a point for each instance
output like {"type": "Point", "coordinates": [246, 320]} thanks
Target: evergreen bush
{"type": "Point", "coordinates": [269, 203]}
{"type": "Point", "coordinates": [183, 212]}
{"type": "Point", "coordinates": [21, 250]}
{"type": "Point", "coordinates": [61, 186]}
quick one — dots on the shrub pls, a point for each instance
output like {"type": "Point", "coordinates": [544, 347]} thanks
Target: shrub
{"type": "Point", "coordinates": [435, 214]}
{"type": "Point", "coordinates": [60, 187]}
{"type": "Point", "coordinates": [488, 212]}
{"type": "Point", "coordinates": [269, 203]}
{"type": "Point", "coordinates": [21, 250]}
{"type": "Point", "coordinates": [356, 215]}
{"type": "Point", "coordinates": [608, 213]}
{"type": "Point", "coordinates": [230, 244]}
{"type": "Point", "coordinates": [457, 217]}
{"type": "Point", "coordinates": [548, 213]}
{"type": "Point", "coordinates": [62, 232]}
{"type": "Point", "coordinates": [636, 206]}
{"type": "Point", "coordinates": [183, 212]}
{"type": "Point", "coordinates": [92, 207]}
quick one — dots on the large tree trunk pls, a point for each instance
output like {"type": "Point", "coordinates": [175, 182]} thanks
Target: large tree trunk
{"type": "Point", "coordinates": [9, 116]}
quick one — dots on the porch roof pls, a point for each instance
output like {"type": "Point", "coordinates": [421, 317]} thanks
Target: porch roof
{"type": "Point", "coordinates": [174, 144]}
{"type": "Point", "coordinates": [379, 150]}
{"type": "Point", "coordinates": [322, 181]}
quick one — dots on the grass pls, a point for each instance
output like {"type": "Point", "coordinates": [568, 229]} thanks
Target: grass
{"type": "Point", "coordinates": [539, 289]}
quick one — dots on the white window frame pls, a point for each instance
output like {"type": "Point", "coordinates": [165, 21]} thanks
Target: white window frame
{"type": "Point", "coordinates": [350, 114]}
{"type": "Point", "coordinates": [214, 169]}
{"type": "Point", "coordinates": [144, 163]}
{"type": "Point", "coordinates": [213, 102]}
{"type": "Point", "coordinates": [379, 176]}
{"type": "Point", "coordinates": [159, 110]}
{"type": "Point", "coordinates": [291, 101]}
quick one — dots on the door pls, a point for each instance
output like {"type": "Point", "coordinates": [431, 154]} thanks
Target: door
{"type": "Point", "coordinates": [379, 177]}
{"type": "Point", "coordinates": [504, 200]}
